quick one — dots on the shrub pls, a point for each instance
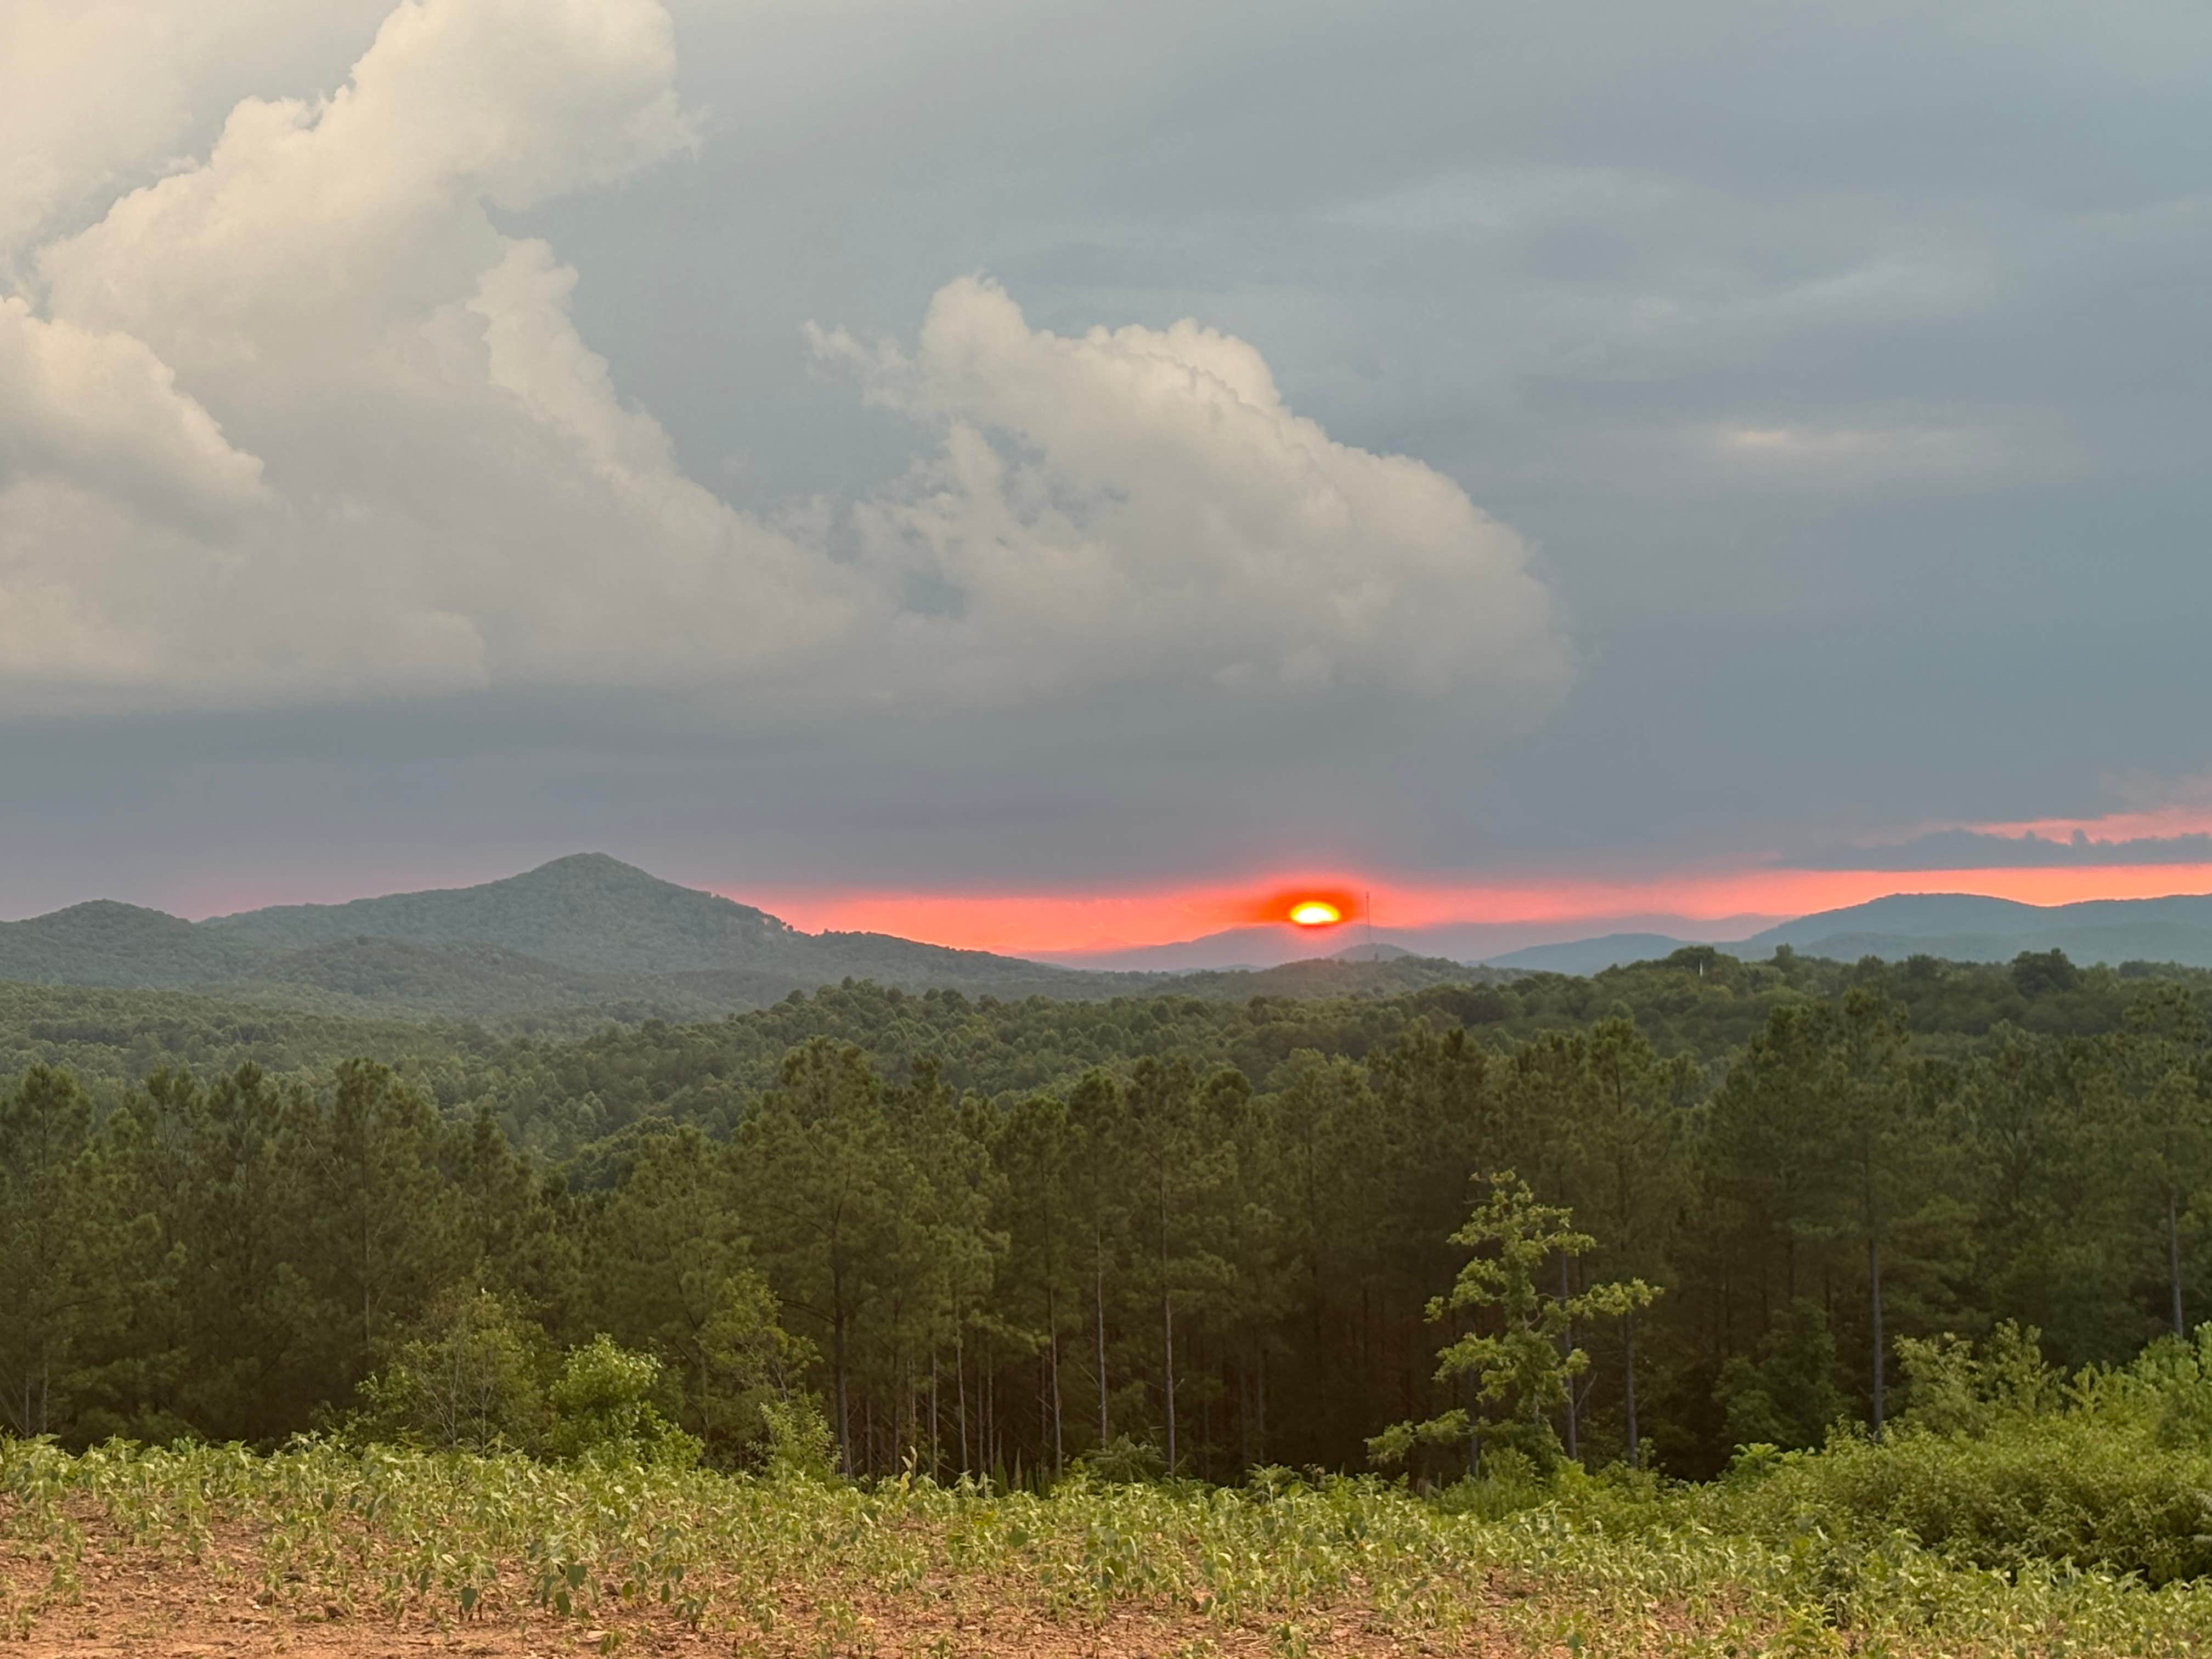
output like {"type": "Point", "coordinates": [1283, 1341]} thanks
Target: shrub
{"type": "Point", "coordinates": [1952, 1388]}
{"type": "Point", "coordinates": [474, 1381]}
{"type": "Point", "coordinates": [799, 1443]}
{"type": "Point", "coordinates": [470, 1381]}
{"type": "Point", "coordinates": [1994, 1465]}
{"type": "Point", "coordinates": [604, 1408]}
{"type": "Point", "coordinates": [1123, 1461]}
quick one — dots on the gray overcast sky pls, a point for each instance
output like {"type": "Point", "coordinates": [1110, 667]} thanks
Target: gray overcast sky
{"type": "Point", "coordinates": [1828, 384]}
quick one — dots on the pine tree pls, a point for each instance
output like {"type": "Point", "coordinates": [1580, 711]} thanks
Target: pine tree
{"type": "Point", "coordinates": [57, 1248]}
{"type": "Point", "coordinates": [1507, 1361]}
{"type": "Point", "coordinates": [822, 1181]}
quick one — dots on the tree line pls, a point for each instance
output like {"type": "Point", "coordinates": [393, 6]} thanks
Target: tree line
{"type": "Point", "coordinates": [1186, 1261]}
{"type": "Point", "coordinates": [565, 1098]}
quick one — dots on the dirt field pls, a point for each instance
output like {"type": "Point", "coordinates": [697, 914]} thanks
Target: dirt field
{"type": "Point", "coordinates": [129, 1600]}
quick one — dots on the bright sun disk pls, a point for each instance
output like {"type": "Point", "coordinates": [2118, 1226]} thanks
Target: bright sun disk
{"type": "Point", "coordinates": [1314, 913]}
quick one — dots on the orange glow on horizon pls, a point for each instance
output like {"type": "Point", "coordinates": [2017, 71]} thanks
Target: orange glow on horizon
{"type": "Point", "coordinates": [1065, 923]}
{"type": "Point", "coordinates": [1316, 912]}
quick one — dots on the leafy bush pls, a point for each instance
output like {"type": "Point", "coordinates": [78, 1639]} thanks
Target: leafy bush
{"type": "Point", "coordinates": [604, 1409]}
{"type": "Point", "coordinates": [799, 1445]}
{"type": "Point", "coordinates": [1511, 1481]}
{"type": "Point", "coordinates": [1952, 1388]}
{"type": "Point", "coordinates": [470, 1383]}
{"type": "Point", "coordinates": [2080, 1491]}
{"type": "Point", "coordinates": [474, 1382]}
{"type": "Point", "coordinates": [1998, 1466]}
{"type": "Point", "coordinates": [1123, 1461]}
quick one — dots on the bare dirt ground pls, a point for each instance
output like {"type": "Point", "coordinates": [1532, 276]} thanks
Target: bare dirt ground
{"type": "Point", "coordinates": [129, 1600]}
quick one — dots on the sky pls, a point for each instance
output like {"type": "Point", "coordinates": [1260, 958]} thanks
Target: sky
{"type": "Point", "coordinates": [1056, 477]}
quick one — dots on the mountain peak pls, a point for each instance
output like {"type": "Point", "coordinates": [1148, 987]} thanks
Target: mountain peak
{"type": "Point", "coordinates": [109, 913]}
{"type": "Point", "coordinates": [588, 911]}
{"type": "Point", "coordinates": [107, 942]}
{"type": "Point", "coordinates": [580, 873]}
{"type": "Point", "coordinates": [1372, 951]}
{"type": "Point", "coordinates": [590, 867]}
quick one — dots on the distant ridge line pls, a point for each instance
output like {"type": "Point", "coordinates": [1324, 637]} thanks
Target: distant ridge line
{"type": "Point", "coordinates": [1956, 927]}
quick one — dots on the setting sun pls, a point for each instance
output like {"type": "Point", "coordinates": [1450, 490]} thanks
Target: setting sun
{"type": "Point", "coordinates": [1315, 913]}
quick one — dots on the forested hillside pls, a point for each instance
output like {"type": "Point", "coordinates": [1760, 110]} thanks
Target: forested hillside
{"type": "Point", "coordinates": [111, 1038]}
{"type": "Point", "coordinates": [1173, 1226]}
{"type": "Point", "coordinates": [581, 1077]}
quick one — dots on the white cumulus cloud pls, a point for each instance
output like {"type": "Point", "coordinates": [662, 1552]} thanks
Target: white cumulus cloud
{"type": "Point", "coordinates": [1142, 501]}
{"type": "Point", "coordinates": [298, 418]}
{"type": "Point", "coordinates": [100, 407]}
{"type": "Point", "coordinates": [93, 92]}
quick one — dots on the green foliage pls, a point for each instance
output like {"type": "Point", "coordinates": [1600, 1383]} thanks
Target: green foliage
{"type": "Point", "coordinates": [1124, 1461]}
{"type": "Point", "coordinates": [799, 1445]}
{"type": "Point", "coordinates": [1607, 1569]}
{"type": "Point", "coordinates": [1998, 1466]}
{"type": "Point", "coordinates": [2036, 973]}
{"type": "Point", "coordinates": [115, 1037]}
{"type": "Point", "coordinates": [470, 1383]}
{"type": "Point", "coordinates": [1786, 1396]}
{"type": "Point", "coordinates": [675, 1276]}
{"type": "Point", "coordinates": [1956, 1387]}
{"type": "Point", "coordinates": [1511, 1481]}
{"type": "Point", "coordinates": [1517, 1362]}
{"type": "Point", "coordinates": [479, 1378]}
{"type": "Point", "coordinates": [606, 1406]}
{"type": "Point", "coordinates": [57, 1248]}
{"type": "Point", "coordinates": [1150, 1236]}
{"type": "Point", "coordinates": [994, 1237]}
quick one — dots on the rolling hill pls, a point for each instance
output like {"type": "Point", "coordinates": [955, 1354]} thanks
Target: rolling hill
{"type": "Point", "coordinates": [587, 912]}
{"type": "Point", "coordinates": [1969, 927]}
{"type": "Point", "coordinates": [105, 943]}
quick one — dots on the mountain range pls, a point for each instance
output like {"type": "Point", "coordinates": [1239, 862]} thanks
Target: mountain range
{"type": "Point", "coordinates": [582, 939]}
{"type": "Point", "coordinates": [588, 938]}
{"type": "Point", "coordinates": [1957, 926]}
{"type": "Point", "coordinates": [1474, 942]}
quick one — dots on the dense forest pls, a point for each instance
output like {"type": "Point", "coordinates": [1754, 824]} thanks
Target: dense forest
{"type": "Point", "coordinates": [1172, 1231]}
